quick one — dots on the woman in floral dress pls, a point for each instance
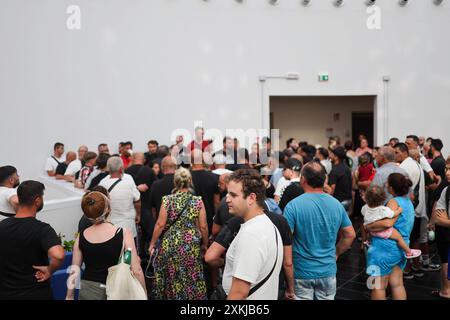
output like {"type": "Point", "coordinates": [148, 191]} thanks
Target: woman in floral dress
{"type": "Point", "coordinates": [183, 230]}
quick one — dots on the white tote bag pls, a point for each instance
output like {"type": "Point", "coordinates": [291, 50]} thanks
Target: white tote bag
{"type": "Point", "coordinates": [121, 284]}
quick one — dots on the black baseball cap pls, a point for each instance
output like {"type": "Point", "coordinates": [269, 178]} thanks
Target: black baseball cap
{"type": "Point", "coordinates": [293, 164]}
{"type": "Point", "coordinates": [340, 152]}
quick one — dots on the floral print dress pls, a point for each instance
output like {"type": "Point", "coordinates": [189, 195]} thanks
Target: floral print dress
{"type": "Point", "coordinates": [178, 266]}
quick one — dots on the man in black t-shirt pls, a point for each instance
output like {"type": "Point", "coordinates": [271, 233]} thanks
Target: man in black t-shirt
{"type": "Point", "coordinates": [30, 250]}
{"type": "Point", "coordinates": [340, 179]}
{"type": "Point", "coordinates": [143, 177]}
{"type": "Point", "coordinates": [152, 153]}
{"type": "Point", "coordinates": [206, 185]}
{"type": "Point", "coordinates": [221, 217]}
{"type": "Point", "coordinates": [164, 186]}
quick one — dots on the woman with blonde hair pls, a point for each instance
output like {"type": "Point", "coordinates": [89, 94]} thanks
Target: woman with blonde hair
{"type": "Point", "coordinates": [182, 232]}
{"type": "Point", "coordinates": [100, 247]}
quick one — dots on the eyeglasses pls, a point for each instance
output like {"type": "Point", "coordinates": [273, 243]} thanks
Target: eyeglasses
{"type": "Point", "coordinates": [447, 169]}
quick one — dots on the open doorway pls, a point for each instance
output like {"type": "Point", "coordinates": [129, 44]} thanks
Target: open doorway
{"type": "Point", "coordinates": [362, 123]}
{"type": "Point", "coordinates": [316, 118]}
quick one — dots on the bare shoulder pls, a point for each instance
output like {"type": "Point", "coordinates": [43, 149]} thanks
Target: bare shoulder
{"type": "Point", "coordinates": [392, 204]}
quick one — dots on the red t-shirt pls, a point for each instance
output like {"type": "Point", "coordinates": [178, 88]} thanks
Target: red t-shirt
{"type": "Point", "coordinates": [126, 161]}
{"type": "Point", "coordinates": [366, 172]}
{"type": "Point", "coordinates": [195, 145]}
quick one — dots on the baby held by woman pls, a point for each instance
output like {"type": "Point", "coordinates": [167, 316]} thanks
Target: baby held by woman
{"type": "Point", "coordinates": [375, 210]}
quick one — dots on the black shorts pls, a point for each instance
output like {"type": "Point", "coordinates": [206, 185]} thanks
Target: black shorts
{"type": "Point", "coordinates": [443, 242]}
{"type": "Point", "coordinates": [415, 233]}
{"type": "Point", "coordinates": [443, 250]}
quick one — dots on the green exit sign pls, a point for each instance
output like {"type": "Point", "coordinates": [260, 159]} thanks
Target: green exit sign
{"type": "Point", "coordinates": [323, 77]}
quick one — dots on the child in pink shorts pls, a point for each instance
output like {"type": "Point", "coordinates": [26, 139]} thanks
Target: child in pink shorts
{"type": "Point", "coordinates": [375, 210]}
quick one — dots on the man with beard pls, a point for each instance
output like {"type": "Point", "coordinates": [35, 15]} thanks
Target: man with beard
{"type": "Point", "coordinates": [30, 250]}
{"type": "Point", "coordinates": [9, 181]}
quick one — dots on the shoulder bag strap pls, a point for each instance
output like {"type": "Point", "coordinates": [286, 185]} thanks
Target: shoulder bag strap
{"type": "Point", "coordinates": [56, 159]}
{"type": "Point", "coordinates": [260, 284]}
{"type": "Point", "coordinates": [176, 219]}
{"type": "Point", "coordinates": [113, 185]}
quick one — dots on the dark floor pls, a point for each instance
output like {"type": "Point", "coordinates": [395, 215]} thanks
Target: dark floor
{"type": "Point", "coordinates": [351, 278]}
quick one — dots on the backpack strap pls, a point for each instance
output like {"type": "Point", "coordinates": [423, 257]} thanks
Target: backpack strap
{"type": "Point", "coordinates": [54, 158]}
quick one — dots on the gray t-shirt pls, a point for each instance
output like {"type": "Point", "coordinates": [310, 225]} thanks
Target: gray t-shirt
{"type": "Point", "coordinates": [440, 204]}
{"type": "Point", "coordinates": [383, 173]}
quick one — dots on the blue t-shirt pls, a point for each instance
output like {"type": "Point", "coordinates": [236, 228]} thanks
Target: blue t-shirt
{"type": "Point", "coordinates": [315, 219]}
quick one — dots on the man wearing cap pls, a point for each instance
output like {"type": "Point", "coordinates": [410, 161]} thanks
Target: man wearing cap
{"type": "Point", "coordinates": [9, 181]}
{"type": "Point", "coordinates": [292, 170]}
{"type": "Point", "coordinates": [285, 180]}
{"type": "Point", "coordinates": [340, 179]}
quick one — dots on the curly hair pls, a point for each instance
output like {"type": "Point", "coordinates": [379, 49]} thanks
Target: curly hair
{"type": "Point", "coordinates": [375, 196]}
{"type": "Point", "coordinates": [251, 183]}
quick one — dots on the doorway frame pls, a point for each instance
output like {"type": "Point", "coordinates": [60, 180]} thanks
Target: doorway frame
{"type": "Point", "coordinates": [380, 133]}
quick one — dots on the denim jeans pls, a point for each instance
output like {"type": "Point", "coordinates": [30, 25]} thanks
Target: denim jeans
{"type": "Point", "coordinates": [315, 289]}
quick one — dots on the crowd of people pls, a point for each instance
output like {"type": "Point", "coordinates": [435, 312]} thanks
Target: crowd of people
{"type": "Point", "coordinates": [228, 224]}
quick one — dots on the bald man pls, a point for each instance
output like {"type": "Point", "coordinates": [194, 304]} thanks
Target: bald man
{"type": "Point", "coordinates": [206, 185]}
{"type": "Point", "coordinates": [75, 166]}
{"type": "Point", "coordinates": [62, 167]}
{"type": "Point", "coordinates": [143, 178]}
{"type": "Point", "coordinates": [163, 186]}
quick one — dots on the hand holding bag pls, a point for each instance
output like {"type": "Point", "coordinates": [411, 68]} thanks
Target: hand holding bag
{"type": "Point", "coordinates": [121, 284]}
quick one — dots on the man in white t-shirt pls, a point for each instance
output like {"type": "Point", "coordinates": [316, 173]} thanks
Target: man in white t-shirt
{"type": "Point", "coordinates": [124, 196]}
{"type": "Point", "coordinates": [407, 163]}
{"type": "Point", "coordinates": [415, 174]}
{"type": "Point", "coordinates": [255, 256]}
{"type": "Point", "coordinates": [421, 220]}
{"type": "Point", "coordinates": [76, 165]}
{"type": "Point", "coordinates": [9, 181]}
{"type": "Point", "coordinates": [412, 142]}
{"type": "Point", "coordinates": [219, 164]}
{"type": "Point", "coordinates": [54, 160]}
{"type": "Point", "coordinates": [291, 173]}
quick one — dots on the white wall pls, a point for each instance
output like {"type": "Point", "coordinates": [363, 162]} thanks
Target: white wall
{"type": "Point", "coordinates": [307, 118]}
{"type": "Point", "coordinates": [139, 69]}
